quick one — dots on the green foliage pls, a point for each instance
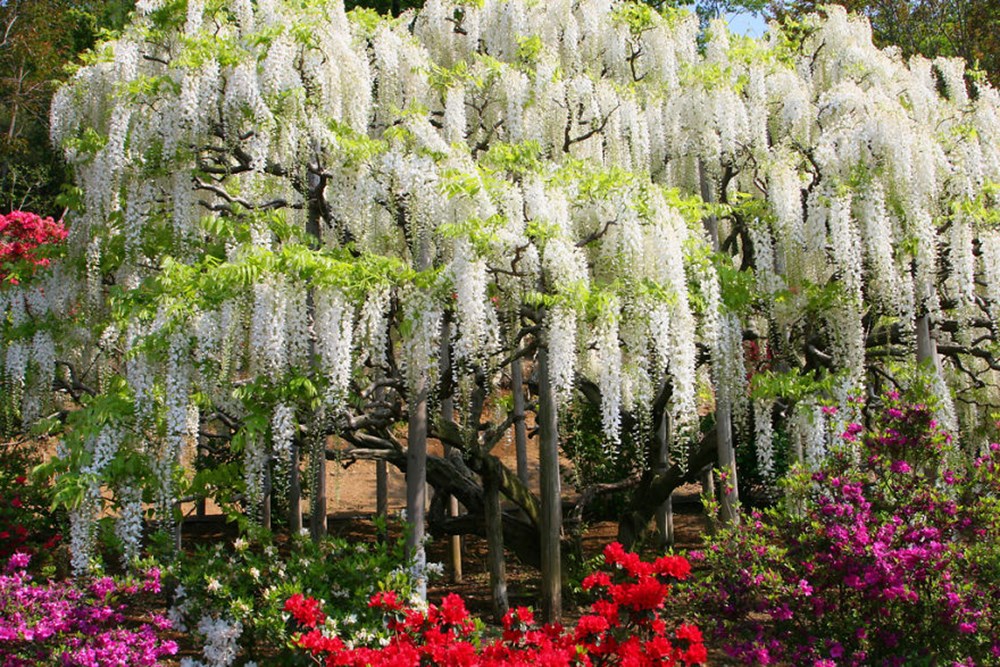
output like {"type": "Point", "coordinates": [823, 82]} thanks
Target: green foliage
{"type": "Point", "coordinates": [198, 50]}
{"type": "Point", "coordinates": [521, 158]}
{"type": "Point", "coordinates": [756, 490]}
{"type": "Point", "coordinates": [366, 19]}
{"type": "Point", "coordinates": [89, 143]}
{"type": "Point", "coordinates": [391, 7]}
{"type": "Point", "coordinates": [71, 469]}
{"type": "Point", "coordinates": [638, 17]}
{"type": "Point", "coordinates": [692, 208]}
{"type": "Point", "coordinates": [149, 86]}
{"type": "Point", "coordinates": [594, 462]}
{"type": "Point", "coordinates": [983, 211]}
{"type": "Point", "coordinates": [575, 296]}
{"type": "Point", "coordinates": [458, 183]}
{"type": "Point", "coordinates": [528, 50]}
{"type": "Point", "coordinates": [793, 386]}
{"type": "Point", "coordinates": [180, 289]}
{"type": "Point", "coordinates": [357, 148]}
{"type": "Point", "coordinates": [812, 298]}
{"type": "Point", "coordinates": [594, 182]}
{"type": "Point", "coordinates": [738, 288]}
{"type": "Point", "coordinates": [710, 9]}
{"type": "Point", "coordinates": [443, 78]}
{"type": "Point", "coordinates": [219, 476]}
{"type": "Point", "coordinates": [481, 233]}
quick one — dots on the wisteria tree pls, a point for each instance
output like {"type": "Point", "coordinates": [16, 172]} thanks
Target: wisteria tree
{"type": "Point", "coordinates": [290, 215]}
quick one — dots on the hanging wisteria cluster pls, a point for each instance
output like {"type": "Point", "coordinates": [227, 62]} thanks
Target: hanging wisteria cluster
{"type": "Point", "coordinates": [279, 190]}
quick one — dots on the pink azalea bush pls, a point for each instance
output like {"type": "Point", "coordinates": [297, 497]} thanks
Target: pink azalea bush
{"type": "Point", "coordinates": [61, 624]}
{"type": "Point", "coordinates": [626, 625]}
{"type": "Point", "coordinates": [887, 555]}
{"type": "Point", "coordinates": [26, 239]}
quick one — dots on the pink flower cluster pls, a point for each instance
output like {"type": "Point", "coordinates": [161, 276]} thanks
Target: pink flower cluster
{"type": "Point", "coordinates": [58, 623]}
{"type": "Point", "coordinates": [625, 626]}
{"type": "Point", "coordinates": [24, 240]}
{"type": "Point", "coordinates": [888, 555]}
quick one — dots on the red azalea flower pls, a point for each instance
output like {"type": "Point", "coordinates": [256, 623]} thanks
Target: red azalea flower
{"type": "Point", "coordinates": [22, 234]}
{"type": "Point", "coordinates": [696, 654]}
{"type": "Point", "coordinates": [677, 567]}
{"type": "Point", "coordinates": [305, 610]}
{"type": "Point", "coordinates": [659, 648]}
{"type": "Point", "coordinates": [386, 600]}
{"type": "Point", "coordinates": [689, 632]}
{"type": "Point", "coordinates": [599, 578]}
{"type": "Point", "coordinates": [441, 635]}
{"type": "Point", "coordinates": [607, 609]}
{"type": "Point", "coordinates": [647, 595]}
{"type": "Point", "coordinates": [591, 624]}
{"type": "Point", "coordinates": [614, 553]}
{"type": "Point", "coordinates": [453, 609]}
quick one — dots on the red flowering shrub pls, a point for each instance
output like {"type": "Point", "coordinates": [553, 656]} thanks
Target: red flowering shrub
{"type": "Point", "coordinates": [625, 626]}
{"type": "Point", "coordinates": [27, 524]}
{"type": "Point", "coordinates": [26, 240]}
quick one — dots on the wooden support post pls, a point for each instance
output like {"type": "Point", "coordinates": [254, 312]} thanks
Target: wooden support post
{"type": "Point", "coordinates": [455, 543]}
{"type": "Point", "coordinates": [520, 428]}
{"type": "Point", "coordinates": [494, 541]}
{"type": "Point", "coordinates": [178, 525]}
{"type": "Point", "coordinates": [730, 500]}
{"type": "Point", "coordinates": [416, 454]}
{"type": "Point", "coordinates": [416, 483]}
{"type": "Point", "coordinates": [447, 415]}
{"type": "Point", "coordinates": [294, 493]}
{"type": "Point", "coordinates": [265, 501]}
{"type": "Point", "coordinates": [551, 488]}
{"type": "Point", "coordinates": [317, 453]}
{"type": "Point", "coordinates": [708, 495]}
{"type": "Point", "coordinates": [201, 504]}
{"type": "Point", "coordinates": [665, 512]}
{"type": "Point", "coordinates": [317, 518]}
{"type": "Point", "coordinates": [926, 344]}
{"type": "Point", "coordinates": [382, 497]}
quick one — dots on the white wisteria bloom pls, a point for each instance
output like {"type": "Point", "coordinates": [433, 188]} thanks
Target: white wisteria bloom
{"type": "Point", "coordinates": [128, 527]}
{"type": "Point", "coordinates": [764, 438]}
{"type": "Point", "coordinates": [221, 640]}
{"type": "Point", "coordinates": [277, 194]}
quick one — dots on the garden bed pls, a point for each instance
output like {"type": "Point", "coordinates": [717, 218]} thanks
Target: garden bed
{"type": "Point", "coordinates": [523, 581]}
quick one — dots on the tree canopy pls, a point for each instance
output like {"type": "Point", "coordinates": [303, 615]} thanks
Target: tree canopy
{"type": "Point", "coordinates": [296, 222]}
{"type": "Point", "coordinates": [968, 29]}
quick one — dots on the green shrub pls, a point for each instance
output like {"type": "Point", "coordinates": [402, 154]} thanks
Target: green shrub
{"type": "Point", "coordinates": [230, 596]}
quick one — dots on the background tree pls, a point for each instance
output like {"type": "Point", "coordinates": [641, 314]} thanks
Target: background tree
{"type": "Point", "coordinates": [966, 29]}
{"type": "Point", "coordinates": [39, 39]}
